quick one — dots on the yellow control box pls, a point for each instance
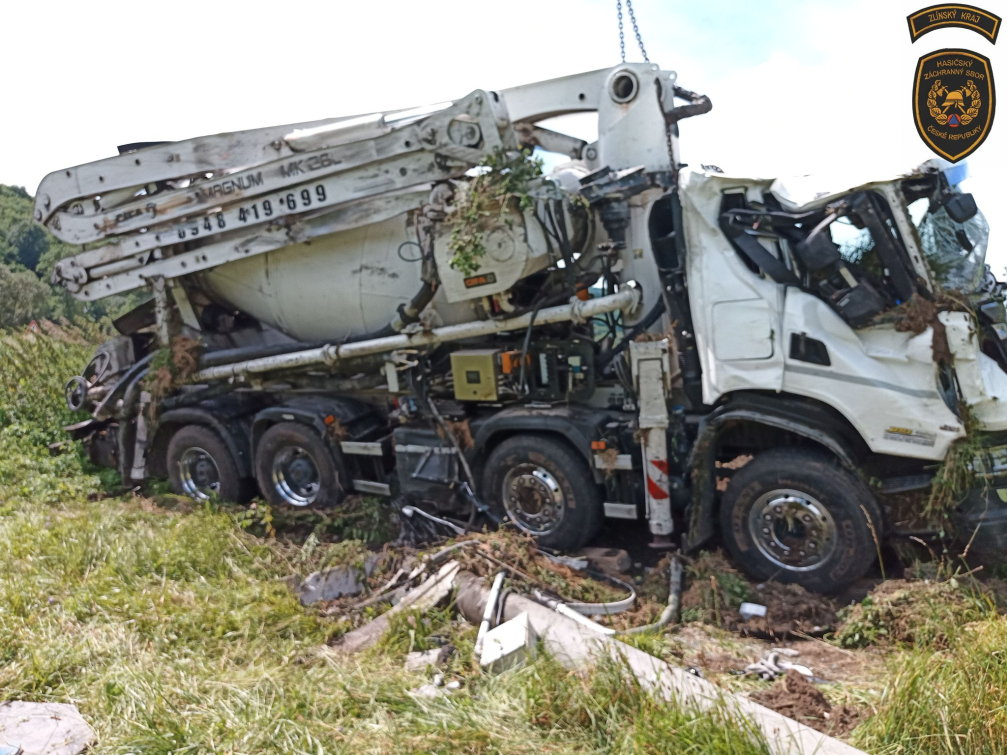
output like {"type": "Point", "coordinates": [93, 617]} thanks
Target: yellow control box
{"type": "Point", "coordinates": [475, 374]}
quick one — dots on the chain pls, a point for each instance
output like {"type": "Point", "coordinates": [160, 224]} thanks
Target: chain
{"type": "Point", "coordinates": [671, 154]}
{"type": "Point", "coordinates": [636, 30]}
{"type": "Point", "coordinates": [622, 38]}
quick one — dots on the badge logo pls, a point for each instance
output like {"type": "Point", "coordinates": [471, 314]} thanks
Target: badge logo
{"type": "Point", "coordinates": [954, 14]}
{"type": "Point", "coordinates": [954, 101]}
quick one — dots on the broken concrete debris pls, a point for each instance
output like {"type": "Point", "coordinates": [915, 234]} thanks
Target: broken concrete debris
{"type": "Point", "coordinates": [427, 690]}
{"type": "Point", "coordinates": [509, 645]}
{"type": "Point", "coordinates": [428, 594]}
{"type": "Point", "coordinates": [573, 645]}
{"type": "Point", "coordinates": [421, 660]}
{"type": "Point", "coordinates": [44, 728]}
{"type": "Point", "coordinates": [336, 582]}
{"type": "Point", "coordinates": [513, 625]}
{"type": "Point", "coordinates": [491, 604]}
{"type": "Point", "coordinates": [436, 689]}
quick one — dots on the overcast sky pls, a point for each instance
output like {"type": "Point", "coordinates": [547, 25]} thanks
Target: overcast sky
{"type": "Point", "coordinates": [797, 87]}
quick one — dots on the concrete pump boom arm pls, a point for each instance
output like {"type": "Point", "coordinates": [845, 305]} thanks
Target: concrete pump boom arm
{"type": "Point", "coordinates": [178, 208]}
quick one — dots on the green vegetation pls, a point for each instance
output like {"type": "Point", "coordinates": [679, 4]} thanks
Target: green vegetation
{"type": "Point", "coordinates": [716, 589]}
{"type": "Point", "coordinates": [924, 614]}
{"type": "Point", "coordinates": [947, 703]}
{"type": "Point", "coordinates": [500, 186]}
{"type": "Point", "coordinates": [172, 630]}
{"type": "Point", "coordinates": [32, 415]}
{"type": "Point", "coordinates": [28, 254]}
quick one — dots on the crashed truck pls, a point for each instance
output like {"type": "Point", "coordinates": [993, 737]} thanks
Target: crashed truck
{"type": "Point", "coordinates": [781, 365]}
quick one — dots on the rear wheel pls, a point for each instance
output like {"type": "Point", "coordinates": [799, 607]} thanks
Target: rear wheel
{"type": "Point", "coordinates": [294, 467]}
{"type": "Point", "coordinates": [200, 465]}
{"type": "Point", "coordinates": [545, 489]}
{"type": "Point", "coordinates": [793, 515]}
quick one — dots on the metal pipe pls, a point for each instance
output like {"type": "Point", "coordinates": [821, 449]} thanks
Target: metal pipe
{"type": "Point", "coordinates": [564, 610]}
{"type": "Point", "coordinates": [410, 510]}
{"type": "Point", "coordinates": [626, 300]}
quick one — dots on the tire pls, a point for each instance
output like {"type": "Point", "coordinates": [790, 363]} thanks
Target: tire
{"type": "Point", "coordinates": [793, 515]}
{"type": "Point", "coordinates": [200, 465]}
{"type": "Point", "coordinates": [295, 467]}
{"type": "Point", "coordinates": [525, 471]}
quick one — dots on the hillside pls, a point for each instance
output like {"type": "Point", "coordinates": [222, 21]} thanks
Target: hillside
{"type": "Point", "coordinates": [28, 253]}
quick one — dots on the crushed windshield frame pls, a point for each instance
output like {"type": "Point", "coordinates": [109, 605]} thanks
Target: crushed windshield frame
{"type": "Point", "coordinates": [951, 265]}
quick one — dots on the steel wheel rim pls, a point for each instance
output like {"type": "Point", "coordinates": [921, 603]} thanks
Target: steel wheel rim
{"type": "Point", "coordinates": [793, 530]}
{"type": "Point", "coordinates": [295, 476]}
{"type": "Point", "coordinates": [199, 474]}
{"type": "Point", "coordinates": [533, 499]}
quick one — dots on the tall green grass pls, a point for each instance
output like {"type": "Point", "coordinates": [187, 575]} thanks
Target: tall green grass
{"type": "Point", "coordinates": [33, 370]}
{"type": "Point", "coordinates": [173, 633]}
{"type": "Point", "coordinates": [952, 702]}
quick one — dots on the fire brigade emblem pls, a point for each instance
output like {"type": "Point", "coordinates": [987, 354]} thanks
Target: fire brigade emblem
{"type": "Point", "coordinates": [954, 101]}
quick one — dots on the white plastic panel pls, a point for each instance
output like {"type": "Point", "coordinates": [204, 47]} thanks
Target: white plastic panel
{"type": "Point", "coordinates": [884, 382]}
{"type": "Point", "coordinates": [742, 330]}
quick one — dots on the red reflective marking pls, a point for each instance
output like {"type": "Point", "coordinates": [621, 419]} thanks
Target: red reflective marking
{"type": "Point", "coordinates": [655, 490]}
{"type": "Point", "coordinates": [661, 464]}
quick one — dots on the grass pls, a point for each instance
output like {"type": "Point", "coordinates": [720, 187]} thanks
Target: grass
{"type": "Point", "coordinates": [172, 630]}
{"type": "Point", "coordinates": [946, 703]}
{"type": "Point", "coordinates": [173, 633]}
{"type": "Point", "coordinates": [924, 613]}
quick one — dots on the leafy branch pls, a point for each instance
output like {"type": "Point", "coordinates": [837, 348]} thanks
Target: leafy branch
{"type": "Point", "coordinates": [501, 184]}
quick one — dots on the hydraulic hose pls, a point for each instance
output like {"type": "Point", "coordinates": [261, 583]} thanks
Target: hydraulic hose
{"type": "Point", "coordinates": [656, 311]}
{"type": "Point", "coordinates": [674, 607]}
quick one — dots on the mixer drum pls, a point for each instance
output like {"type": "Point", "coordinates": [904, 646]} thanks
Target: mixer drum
{"type": "Point", "coordinates": [351, 283]}
{"type": "Point", "coordinates": [343, 285]}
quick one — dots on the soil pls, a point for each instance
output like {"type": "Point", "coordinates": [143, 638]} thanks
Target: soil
{"type": "Point", "coordinates": [790, 610]}
{"type": "Point", "coordinates": [794, 696]}
{"type": "Point", "coordinates": [902, 611]}
{"type": "Point", "coordinates": [915, 316]}
{"type": "Point", "coordinates": [716, 590]}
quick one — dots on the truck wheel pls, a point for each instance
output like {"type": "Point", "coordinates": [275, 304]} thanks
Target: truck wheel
{"type": "Point", "coordinates": [792, 515]}
{"type": "Point", "coordinates": [200, 465]}
{"type": "Point", "coordinates": [545, 489]}
{"type": "Point", "coordinates": [294, 467]}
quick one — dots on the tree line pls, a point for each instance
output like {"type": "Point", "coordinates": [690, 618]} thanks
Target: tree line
{"type": "Point", "coordinates": [28, 253]}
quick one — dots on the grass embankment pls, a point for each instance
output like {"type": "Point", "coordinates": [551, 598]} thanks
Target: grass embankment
{"type": "Point", "coordinates": [947, 674]}
{"type": "Point", "coordinates": [172, 631]}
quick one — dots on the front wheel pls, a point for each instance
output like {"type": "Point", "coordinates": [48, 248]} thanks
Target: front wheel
{"type": "Point", "coordinates": [793, 515]}
{"type": "Point", "coordinates": [545, 489]}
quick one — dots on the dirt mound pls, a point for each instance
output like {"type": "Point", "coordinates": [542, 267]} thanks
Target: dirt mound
{"type": "Point", "coordinates": [919, 613]}
{"type": "Point", "coordinates": [716, 590]}
{"type": "Point", "coordinates": [790, 609]}
{"type": "Point", "coordinates": [509, 546]}
{"type": "Point", "coordinates": [795, 697]}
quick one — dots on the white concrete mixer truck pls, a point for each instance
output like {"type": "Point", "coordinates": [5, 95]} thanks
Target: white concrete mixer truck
{"type": "Point", "coordinates": [395, 304]}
